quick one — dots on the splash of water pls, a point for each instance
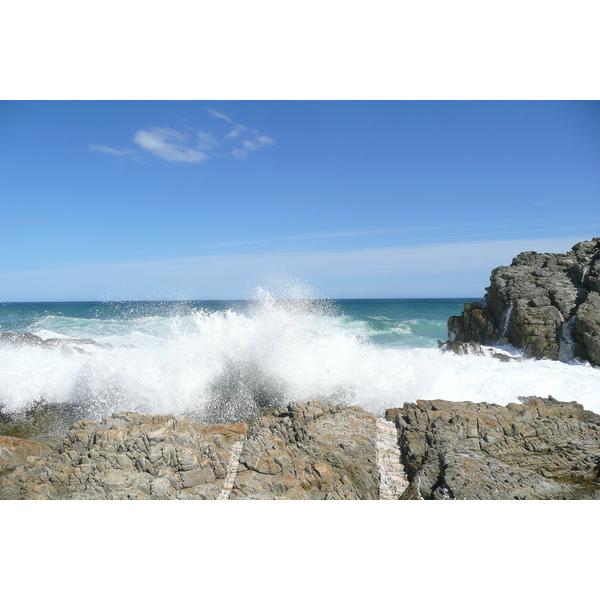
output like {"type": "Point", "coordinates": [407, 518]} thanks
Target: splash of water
{"type": "Point", "coordinates": [505, 321]}
{"type": "Point", "coordinates": [285, 345]}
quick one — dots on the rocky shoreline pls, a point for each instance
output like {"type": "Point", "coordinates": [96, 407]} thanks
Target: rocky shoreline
{"type": "Point", "coordinates": [537, 449]}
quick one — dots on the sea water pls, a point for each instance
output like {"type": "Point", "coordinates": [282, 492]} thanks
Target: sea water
{"type": "Point", "coordinates": [191, 357]}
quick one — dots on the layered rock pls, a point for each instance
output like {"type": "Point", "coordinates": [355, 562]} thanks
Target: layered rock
{"type": "Point", "coordinates": [305, 451]}
{"type": "Point", "coordinates": [546, 304]}
{"type": "Point", "coordinates": [127, 456]}
{"type": "Point", "coordinates": [538, 449]}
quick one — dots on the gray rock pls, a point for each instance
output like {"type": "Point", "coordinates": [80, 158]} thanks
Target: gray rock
{"type": "Point", "coordinates": [545, 304]}
{"type": "Point", "coordinates": [539, 449]}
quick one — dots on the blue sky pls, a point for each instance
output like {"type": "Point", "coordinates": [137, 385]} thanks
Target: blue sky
{"type": "Point", "coordinates": [208, 199]}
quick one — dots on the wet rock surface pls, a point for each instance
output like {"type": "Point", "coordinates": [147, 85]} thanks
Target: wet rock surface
{"type": "Point", "coordinates": [536, 449]}
{"type": "Point", "coordinates": [546, 304]}
{"type": "Point", "coordinates": [464, 348]}
{"type": "Point", "coordinates": [39, 418]}
{"type": "Point", "coordinates": [65, 344]}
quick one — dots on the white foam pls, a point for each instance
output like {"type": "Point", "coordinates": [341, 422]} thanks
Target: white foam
{"type": "Point", "coordinates": [298, 350]}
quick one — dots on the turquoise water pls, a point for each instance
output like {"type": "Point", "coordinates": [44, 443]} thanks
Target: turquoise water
{"type": "Point", "coordinates": [185, 357]}
{"type": "Point", "coordinates": [403, 323]}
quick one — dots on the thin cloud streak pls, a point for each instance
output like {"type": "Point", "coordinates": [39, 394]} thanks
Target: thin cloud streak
{"type": "Point", "coordinates": [453, 235]}
{"type": "Point", "coordinates": [307, 236]}
{"type": "Point", "coordinates": [109, 150]}
{"type": "Point", "coordinates": [218, 115]}
{"type": "Point", "coordinates": [441, 270]}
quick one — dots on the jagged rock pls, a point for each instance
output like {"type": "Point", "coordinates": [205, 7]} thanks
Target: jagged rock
{"type": "Point", "coordinates": [543, 303]}
{"type": "Point", "coordinates": [310, 451]}
{"type": "Point", "coordinates": [39, 418]}
{"type": "Point", "coordinates": [473, 325]}
{"type": "Point", "coordinates": [539, 449]}
{"type": "Point", "coordinates": [464, 348]}
{"type": "Point", "coordinates": [65, 344]}
{"type": "Point", "coordinates": [306, 451]}
{"type": "Point", "coordinates": [128, 456]}
{"type": "Point", "coordinates": [587, 326]}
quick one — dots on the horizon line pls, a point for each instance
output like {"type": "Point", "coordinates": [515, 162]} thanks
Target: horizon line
{"type": "Point", "coordinates": [241, 299]}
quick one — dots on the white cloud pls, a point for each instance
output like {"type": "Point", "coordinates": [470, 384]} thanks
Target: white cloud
{"type": "Point", "coordinates": [194, 146]}
{"type": "Point", "coordinates": [169, 144]}
{"type": "Point", "coordinates": [108, 150]}
{"type": "Point", "coordinates": [206, 141]}
{"type": "Point", "coordinates": [236, 132]}
{"type": "Point", "coordinates": [218, 115]}
{"type": "Point", "coordinates": [257, 143]}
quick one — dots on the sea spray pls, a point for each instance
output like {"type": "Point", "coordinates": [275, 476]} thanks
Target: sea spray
{"type": "Point", "coordinates": [227, 361]}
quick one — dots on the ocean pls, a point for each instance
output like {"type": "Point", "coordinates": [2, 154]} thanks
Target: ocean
{"type": "Point", "coordinates": [224, 359]}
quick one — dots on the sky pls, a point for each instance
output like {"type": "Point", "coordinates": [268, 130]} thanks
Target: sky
{"type": "Point", "coordinates": [110, 200]}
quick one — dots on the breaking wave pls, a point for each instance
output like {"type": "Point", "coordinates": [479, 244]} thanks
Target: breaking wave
{"type": "Point", "coordinates": [225, 364]}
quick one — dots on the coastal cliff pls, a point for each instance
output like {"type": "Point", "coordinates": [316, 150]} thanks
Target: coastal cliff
{"type": "Point", "coordinates": [536, 449]}
{"type": "Point", "coordinates": [546, 304]}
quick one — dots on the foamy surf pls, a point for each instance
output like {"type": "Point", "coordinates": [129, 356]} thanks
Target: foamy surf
{"type": "Point", "coordinates": [224, 364]}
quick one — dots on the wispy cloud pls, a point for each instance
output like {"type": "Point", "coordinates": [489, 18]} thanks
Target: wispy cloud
{"type": "Point", "coordinates": [218, 115]}
{"type": "Point", "coordinates": [26, 222]}
{"type": "Point", "coordinates": [194, 145]}
{"type": "Point", "coordinates": [259, 141]}
{"type": "Point", "coordinates": [244, 139]}
{"type": "Point", "coordinates": [450, 270]}
{"type": "Point", "coordinates": [302, 237]}
{"type": "Point", "coordinates": [169, 144]}
{"type": "Point", "coordinates": [236, 132]}
{"type": "Point", "coordinates": [109, 150]}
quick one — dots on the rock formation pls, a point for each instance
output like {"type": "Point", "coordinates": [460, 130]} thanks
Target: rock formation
{"type": "Point", "coordinates": [539, 449]}
{"type": "Point", "coordinates": [546, 304]}
{"type": "Point", "coordinates": [65, 344]}
{"type": "Point", "coordinates": [305, 451]}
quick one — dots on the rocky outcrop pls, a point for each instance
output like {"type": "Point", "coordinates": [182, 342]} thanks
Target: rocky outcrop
{"type": "Point", "coordinates": [305, 451]}
{"type": "Point", "coordinates": [39, 418]}
{"type": "Point", "coordinates": [470, 348]}
{"type": "Point", "coordinates": [127, 456]}
{"type": "Point", "coordinates": [546, 304]}
{"type": "Point", "coordinates": [538, 449]}
{"type": "Point", "coordinates": [65, 344]}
